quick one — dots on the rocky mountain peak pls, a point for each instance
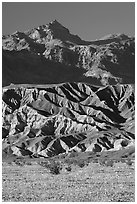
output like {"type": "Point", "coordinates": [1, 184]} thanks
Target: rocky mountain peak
{"type": "Point", "coordinates": [109, 60]}
{"type": "Point", "coordinates": [50, 31]}
{"type": "Point", "coordinates": [56, 24]}
{"type": "Point", "coordinates": [51, 26]}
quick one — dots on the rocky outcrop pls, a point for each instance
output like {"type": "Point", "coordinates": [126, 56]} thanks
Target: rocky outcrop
{"type": "Point", "coordinates": [31, 57]}
{"type": "Point", "coordinates": [49, 120]}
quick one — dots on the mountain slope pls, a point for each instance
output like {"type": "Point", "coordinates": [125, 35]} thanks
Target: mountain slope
{"type": "Point", "coordinates": [33, 56]}
{"type": "Point", "coordinates": [48, 120]}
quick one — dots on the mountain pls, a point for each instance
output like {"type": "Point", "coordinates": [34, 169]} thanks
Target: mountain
{"type": "Point", "coordinates": [62, 94]}
{"type": "Point", "coordinates": [49, 120]}
{"type": "Point", "coordinates": [31, 57]}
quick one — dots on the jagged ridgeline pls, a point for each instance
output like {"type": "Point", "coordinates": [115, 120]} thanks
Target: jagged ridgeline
{"type": "Point", "coordinates": [49, 120]}
{"type": "Point", "coordinates": [50, 54]}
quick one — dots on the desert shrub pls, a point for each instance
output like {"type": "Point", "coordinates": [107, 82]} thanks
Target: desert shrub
{"type": "Point", "coordinates": [55, 167]}
{"type": "Point", "coordinates": [81, 163]}
{"type": "Point", "coordinates": [122, 160]}
{"type": "Point", "coordinates": [102, 162]}
{"type": "Point", "coordinates": [70, 161]}
{"type": "Point", "coordinates": [125, 156]}
{"type": "Point", "coordinates": [105, 162]}
{"type": "Point", "coordinates": [68, 168]}
{"type": "Point", "coordinates": [44, 163]}
{"type": "Point", "coordinates": [67, 160]}
{"type": "Point", "coordinates": [97, 154]}
{"type": "Point", "coordinates": [129, 162]}
{"type": "Point", "coordinates": [28, 163]}
{"type": "Point", "coordinates": [10, 163]}
{"type": "Point", "coordinates": [109, 163]}
{"type": "Point", "coordinates": [20, 161]}
{"type": "Point", "coordinates": [87, 162]}
{"type": "Point", "coordinates": [95, 160]}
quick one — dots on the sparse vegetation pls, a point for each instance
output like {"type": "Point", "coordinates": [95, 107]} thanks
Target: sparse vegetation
{"type": "Point", "coordinates": [100, 173]}
{"type": "Point", "coordinates": [129, 162]}
{"type": "Point", "coordinates": [55, 167]}
{"type": "Point", "coordinates": [109, 163]}
{"type": "Point", "coordinates": [44, 163]}
{"type": "Point", "coordinates": [19, 161]}
{"type": "Point", "coordinates": [91, 183]}
{"type": "Point", "coordinates": [68, 168]}
{"type": "Point", "coordinates": [81, 163]}
{"type": "Point", "coordinates": [106, 162]}
{"type": "Point", "coordinates": [28, 163]}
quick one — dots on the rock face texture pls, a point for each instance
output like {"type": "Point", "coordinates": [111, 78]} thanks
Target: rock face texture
{"type": "Point", "coordinates": [31, 57]}
{"type": "Point", "coordinates": [49, 120]}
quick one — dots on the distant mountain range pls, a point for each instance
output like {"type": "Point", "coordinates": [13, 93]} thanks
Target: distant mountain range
{"type": "Point", "coordinates": [51, 54]}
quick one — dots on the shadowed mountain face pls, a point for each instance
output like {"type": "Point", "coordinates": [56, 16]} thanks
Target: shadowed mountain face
{"type": "Point", "coordinates": [51, 54]}
{"type": "Point", "coordinates": [49, 120]}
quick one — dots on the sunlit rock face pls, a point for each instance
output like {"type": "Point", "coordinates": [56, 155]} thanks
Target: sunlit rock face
{"type": "Point", "coordinates": [52, 119]}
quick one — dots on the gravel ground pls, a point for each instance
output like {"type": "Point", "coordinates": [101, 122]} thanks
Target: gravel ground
{"type": "Point", "coordinates": [92, 183]}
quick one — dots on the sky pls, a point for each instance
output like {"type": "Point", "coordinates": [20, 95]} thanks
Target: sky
{"type": "Point", "coordinates": [89, 20]}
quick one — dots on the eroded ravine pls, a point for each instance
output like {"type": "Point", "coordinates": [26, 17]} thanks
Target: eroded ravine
{"type": "Point", "coordinates": [60, 118]}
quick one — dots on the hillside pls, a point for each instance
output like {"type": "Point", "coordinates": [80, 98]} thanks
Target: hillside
{"type": "Point", "coordinates": [49, 120]}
